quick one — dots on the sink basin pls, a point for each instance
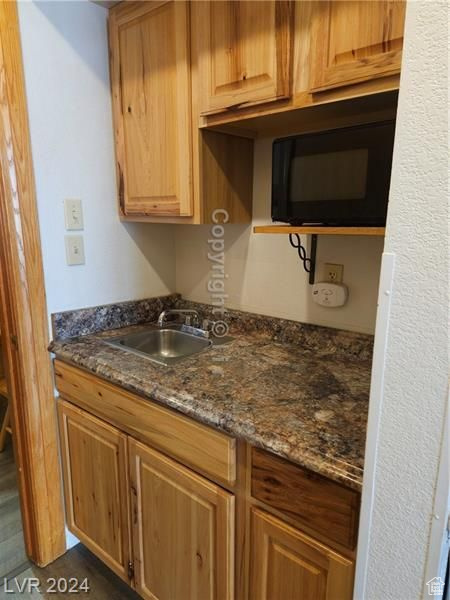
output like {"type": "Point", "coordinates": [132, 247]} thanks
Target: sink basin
{"type": "Point", "coordinates": [164, 346]}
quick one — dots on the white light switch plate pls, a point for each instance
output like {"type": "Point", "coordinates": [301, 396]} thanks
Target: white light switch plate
{"type": "Point", "coordinates": [73, 213]}
{"type": "Point", "coordinates": [74, 249]}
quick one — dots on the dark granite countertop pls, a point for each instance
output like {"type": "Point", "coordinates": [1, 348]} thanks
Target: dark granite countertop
{"type": "Point", "coordinates": [304, 403]}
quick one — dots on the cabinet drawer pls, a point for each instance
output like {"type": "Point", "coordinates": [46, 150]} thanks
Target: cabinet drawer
{"type": "Point", "coordinates": [204, 449]}
{"type": "Point", "coordinates": [312, 500]}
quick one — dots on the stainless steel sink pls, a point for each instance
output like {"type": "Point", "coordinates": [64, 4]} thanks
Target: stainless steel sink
{"type": "Point", "coordinates": [164, 346]}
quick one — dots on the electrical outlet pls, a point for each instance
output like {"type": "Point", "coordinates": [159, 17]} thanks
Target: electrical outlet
{"type": "Point", "coordinates": [74, 249]}
{"type": "Point", "coordinates": [333, 273]}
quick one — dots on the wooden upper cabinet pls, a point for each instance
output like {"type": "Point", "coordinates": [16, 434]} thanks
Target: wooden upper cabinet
{"type": "Point", "coordinates": [183, 530]}
{"type": "Point", "coordinates": [151, 92]}
{"type": "Point", "coordinates": [245, 53]}
{"type": "Point", "coordinates": [287, 564]}
{"type": "Point", "coordinates": [355, 41]}
{"type": "Point", "coordinates": [94, 457]}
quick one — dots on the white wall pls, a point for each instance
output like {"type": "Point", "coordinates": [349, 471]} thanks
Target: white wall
{"type": "Point", "coordinates": [66, 72]}
{"type": "Point", "coordinates": [414, 390]}
{"type": "Point", "coordinates": [265, 273]}
{"type": "Point", "coordinates": [65, 54]}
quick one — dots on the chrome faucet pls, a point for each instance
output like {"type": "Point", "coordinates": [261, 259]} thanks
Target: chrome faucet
{"type": "Point", "coordinates": [192, 317]}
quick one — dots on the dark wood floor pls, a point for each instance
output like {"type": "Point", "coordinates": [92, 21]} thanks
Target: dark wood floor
{"type": "Point", "coordinates": [12, 550]}
{"type": "Point", "coordinates": [78, 563]}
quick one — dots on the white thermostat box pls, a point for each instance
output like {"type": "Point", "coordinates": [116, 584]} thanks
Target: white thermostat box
{"type": "Point", "coordinates": [330, 294]}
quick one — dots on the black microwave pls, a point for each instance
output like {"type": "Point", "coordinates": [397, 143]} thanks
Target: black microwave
{"type": "Point", "coordinates": [335, 177]}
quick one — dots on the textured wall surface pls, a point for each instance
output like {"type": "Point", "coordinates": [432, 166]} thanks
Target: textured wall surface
{"type": "Point", "coordinates": [265, 274]}
{"type": "Point", "coordinates": [417, 361]}
{"type": "Point", "coordinates": [65, 55]}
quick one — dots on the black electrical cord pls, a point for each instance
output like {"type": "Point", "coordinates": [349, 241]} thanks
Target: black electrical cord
{"type": "Point", "coordinates": [297, 244]}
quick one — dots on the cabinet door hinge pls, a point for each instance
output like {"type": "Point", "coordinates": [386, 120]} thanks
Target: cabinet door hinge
{"type": "Point", "coordinates": [130, 571]}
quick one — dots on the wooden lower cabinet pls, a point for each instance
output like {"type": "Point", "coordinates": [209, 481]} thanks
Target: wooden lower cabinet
{"type": "Point", "coordinates": [181, 525]}
{"type": "Point", "coordinates": [173, 534]}
{"type": "Point", "coordinates": [183, 530]}
{"type": "Point", "coordinates": [286, 564]}
{"type": "Point", "coordinates": [95, 472]}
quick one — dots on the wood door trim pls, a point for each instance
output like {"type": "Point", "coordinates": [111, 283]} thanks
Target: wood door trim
{"type": "Point", "coordinates": [23, 312]}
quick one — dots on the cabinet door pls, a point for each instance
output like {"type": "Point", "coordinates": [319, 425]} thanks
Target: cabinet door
{"type": "Point", "coordinates": [182, 530]}
{"type": "Point", "coordinates": [288, 564]}
{"type": "Point", "coordinates": [150, 78]}
{"type": "Point", "coordinates": [94, 457]}
{"type": "Point", "coordinates": [355, 41]}
{"type": "Point", "coordinates": [245, 52]}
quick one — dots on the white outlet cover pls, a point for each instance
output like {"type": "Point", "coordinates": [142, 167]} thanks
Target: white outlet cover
{"type": "Point", "coordinates": [73, 213]}
{"type": "Point", "coordinates": [329, 294]}
{"type": "Point", "coordinates": [74, 249]}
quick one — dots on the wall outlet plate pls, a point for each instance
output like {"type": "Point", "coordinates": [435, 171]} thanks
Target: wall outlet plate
{"type": "Point", "coordinates": [74, 249]}
{"type": "Point", "coordinates": [333, 272]}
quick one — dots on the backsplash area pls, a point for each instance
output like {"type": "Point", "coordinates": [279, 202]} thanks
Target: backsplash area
{"type": "Point", "coordinates": [323, 341]}
{"type": "Point", "coordinates": [264, 274]}
{"type": "Point", "coordinates": [86, 321]}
